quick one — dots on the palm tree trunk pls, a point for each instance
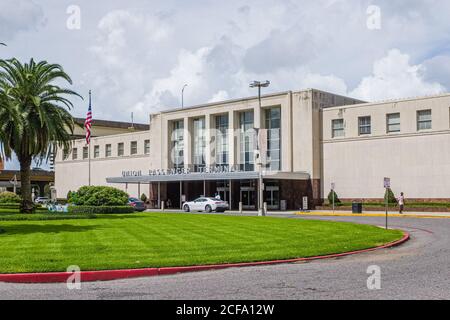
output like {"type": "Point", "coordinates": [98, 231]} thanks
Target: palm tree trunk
{"type": "Point", "coordinates": [25, 188]}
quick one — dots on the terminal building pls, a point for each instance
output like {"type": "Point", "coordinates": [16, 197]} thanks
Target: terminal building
{"type": "Point", "coordinates": [304, 142]}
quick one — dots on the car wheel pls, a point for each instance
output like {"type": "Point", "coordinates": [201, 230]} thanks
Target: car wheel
{"type": "Point", "coordinates": [186, 208]}
{"type": "Point", "coordinates": [208, 208]}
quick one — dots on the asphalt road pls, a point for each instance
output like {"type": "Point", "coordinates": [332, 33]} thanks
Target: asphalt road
{"type": "Point", "coordinates": [419, 269]}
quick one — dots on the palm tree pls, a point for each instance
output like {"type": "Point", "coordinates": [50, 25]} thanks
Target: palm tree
{"type": "Point", "coordinates": [44, 122]}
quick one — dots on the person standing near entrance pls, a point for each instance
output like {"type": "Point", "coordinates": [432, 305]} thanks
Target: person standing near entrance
{"type": "Point", "coordinates": [401, 202]}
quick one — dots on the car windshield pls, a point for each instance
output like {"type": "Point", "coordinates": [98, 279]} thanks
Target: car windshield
{"type": "Point", "coordinates": [133, 200]}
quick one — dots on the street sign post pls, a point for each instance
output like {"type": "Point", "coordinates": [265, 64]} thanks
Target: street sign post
{"type": "Point", "coordinates": [387, 185]}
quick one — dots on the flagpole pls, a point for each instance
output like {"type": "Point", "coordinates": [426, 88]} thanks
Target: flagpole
{"type": "Point", "coordinates": [89, 145]}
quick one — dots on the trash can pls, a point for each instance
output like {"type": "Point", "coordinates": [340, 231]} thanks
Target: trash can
{"type": "Point", "coordinates": [357, 207]}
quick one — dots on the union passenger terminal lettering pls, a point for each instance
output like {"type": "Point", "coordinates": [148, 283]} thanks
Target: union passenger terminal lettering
{"type": "Point", "coordinates": [180, 171]}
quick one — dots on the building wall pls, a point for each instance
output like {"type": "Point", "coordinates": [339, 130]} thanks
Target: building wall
{"type": "Point", "coordinates": [72, 174]}
{"type": "Point", "coordinates": [418, 162]}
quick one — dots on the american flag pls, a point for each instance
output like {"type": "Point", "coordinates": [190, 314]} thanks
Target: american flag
{"type": "Point", "coordinates": [88, 121]}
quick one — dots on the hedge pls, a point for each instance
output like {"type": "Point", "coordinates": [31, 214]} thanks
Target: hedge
{"type": "Point", "coordinates": [101, 210]}
{"type": "Point", "coordinates": [99, 196]}
{"type": "Point", "coordinates": [16, 206]}
{"type": "Point", "coordinates": [9, 197]}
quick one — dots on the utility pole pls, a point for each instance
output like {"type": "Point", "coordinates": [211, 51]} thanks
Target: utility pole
{"type": "Point", "coordinates": [182, 96]}
{"type": "Point", "coordinates": [259, 85]}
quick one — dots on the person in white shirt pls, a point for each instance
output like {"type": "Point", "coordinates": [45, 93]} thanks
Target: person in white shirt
{"type": "Point", "coordinates": [401, 202]}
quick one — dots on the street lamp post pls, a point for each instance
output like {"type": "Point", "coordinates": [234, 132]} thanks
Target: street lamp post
{"type": "Point", "coordinates": [259, 85]}
{"type": "Point", "coordinates": [182, 96]}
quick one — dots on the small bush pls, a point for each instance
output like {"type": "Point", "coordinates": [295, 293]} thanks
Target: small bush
{"type": "Point", "coordinates": [336, 198]}
{"type": "Point", "coordinates": [390, 196]}
{"type": "Point", "coordinates": [99, 196]}
{"type": "Point", "coordinates": [143, 197]}
{"type": "Point", "coordinates": [9, 197]}
{"type": "Point", "coordinates": [100, 210]}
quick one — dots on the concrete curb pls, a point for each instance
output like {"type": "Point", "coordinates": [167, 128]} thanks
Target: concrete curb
{"type": "Point", "coordinates": [107, 275]}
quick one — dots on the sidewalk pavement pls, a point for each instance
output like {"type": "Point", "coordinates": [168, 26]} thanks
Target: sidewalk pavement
{"type": "Point", "coordinates": [442, 215]}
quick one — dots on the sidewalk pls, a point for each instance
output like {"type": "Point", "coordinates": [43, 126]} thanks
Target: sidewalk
{"type": "Point", "coordinates": [377, 214]}
{"type": "Point", "coordinates": [442, 215]}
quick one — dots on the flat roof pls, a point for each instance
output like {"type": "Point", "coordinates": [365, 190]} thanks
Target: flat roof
{"type": "Point", "coordinates": [275, 94]}
{"type": "Point", "coordinates": [114, 124]}
{"type": "Point", "coordinates": [247, 175]}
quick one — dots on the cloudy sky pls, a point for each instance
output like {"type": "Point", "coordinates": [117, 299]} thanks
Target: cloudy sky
{"type": "Point", "coordinates": [136, 55]}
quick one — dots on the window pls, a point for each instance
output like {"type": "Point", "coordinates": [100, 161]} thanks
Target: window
{"type": "Point", "coordinates": [247, 138]}
{"type": "Point", "coordinates": [65, 154]}
{"type": "Point", "coordinates": [424, 120]}
{"type": "Point", "coordinates": [147, 146]}
{"type": "Point", "coordinates": [120, 149]}
{"type": "Point", "coordinates": [337, 128]}
{"type": "Point", "coordinates": [364, 125]}
{"type": "Point", "coordinates": [199, 144]}
{"type": "Point", "coordinates": [177, 137]}
{"type": "Point", "coordinates": [393, 122]}
{"type": "Point", "coordinates": [133, 148]}
{"type": "Point", "coordinates": [108, 151]}
{"type": "Point", "coordinates": [273, 125]}
{"type": "Point", "coordinates": [74, 154]}
{"type": "Point", "coordinates": [96, 151]}
{"type": "Point", "coordinates": [222, 140]}
{"type": "Point", "coordinates": [85, 152]}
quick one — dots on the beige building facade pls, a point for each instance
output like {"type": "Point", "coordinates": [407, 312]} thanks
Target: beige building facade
{"type": "Point", "coordinates": [304, 141]}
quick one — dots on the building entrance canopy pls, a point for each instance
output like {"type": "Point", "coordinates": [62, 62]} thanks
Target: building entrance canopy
{"type": "Point", "coordinates": [243, 175]}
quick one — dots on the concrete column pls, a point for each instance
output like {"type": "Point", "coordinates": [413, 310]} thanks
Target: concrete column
{"type": "Point", "coordinates": [187, 143]}
{"type": "Point", "coordinates": [231, 139]}
{"type": "Point", "coordinates": [209, 131]}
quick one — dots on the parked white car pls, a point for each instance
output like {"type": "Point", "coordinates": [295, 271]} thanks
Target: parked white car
{"type": "Point", "coordinates": [41, 200]}
{"type": "Point", "coordinates": [206, 204]}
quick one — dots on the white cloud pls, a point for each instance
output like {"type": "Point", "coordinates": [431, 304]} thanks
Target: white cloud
{"type": "Point", "coordinates": [394, 77]}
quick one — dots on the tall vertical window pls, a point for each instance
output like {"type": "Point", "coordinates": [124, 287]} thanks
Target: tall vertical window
{"type": "Point", "coordinates": [96, 151]}
{"type": "Point", "coordinates": [393, 122]}
{"type": "Point", "coordinates": [74, 154]}
{"type": "Point", "coordinates": [424, 121]}
{"type": "Point", "coordinates": [273, 126]}
{"type": "Point", "coordinates": [85, 152]}
{"type": "Point", "coordinates": [108, 151]}
{"type": "Point", "coordinates": [177, 141]}
{"type": "Point", "coordinates": [133, 148]}
{"type": "Point", "coordinates": [337, 128]}
{"type": "Point", "coordinates": [65, 154]}
{"type": "Point", "coordinates": [247, 140]}
{"type": "Point", "coordinates": [364, 125]}
{"type": "Point", "coordinates": [120, 149]}
{"type": "Point", "coordinates": [147, 146]}
{"type": "Point", "coordinates": [222, 140]}
{"type": "Point", "coordinates": [199, 145]}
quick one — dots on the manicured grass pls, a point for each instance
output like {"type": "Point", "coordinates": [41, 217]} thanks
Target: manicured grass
{"type": "Point", "coordinates": [157, 240]}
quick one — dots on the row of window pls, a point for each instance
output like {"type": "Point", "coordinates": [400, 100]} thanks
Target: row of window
{"type": "Point", "coordinates": [108, 150]}
{"type": "Point", "coordinates": [424, 122]}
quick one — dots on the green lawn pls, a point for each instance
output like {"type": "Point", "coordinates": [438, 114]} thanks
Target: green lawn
{"type": "Point", "coordinates": [157, 240]}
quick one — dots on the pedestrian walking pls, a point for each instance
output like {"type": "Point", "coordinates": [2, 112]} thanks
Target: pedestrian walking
{"type": "Point", "coordinates": [401, 202]}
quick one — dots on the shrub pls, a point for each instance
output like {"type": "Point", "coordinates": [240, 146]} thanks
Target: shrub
{"type": "Point", "coordinates": [9, 197]}
{"type": "Point", "coordinates": [390, 196]}
{"type": "Point", "coordinates": [143, 197]}
{"type": "Point", "coordinates": [100, 210]}
{"type": "Point", "coordinates": [99, 196]}
{"type": "Point", "coordinates": [336, 198]}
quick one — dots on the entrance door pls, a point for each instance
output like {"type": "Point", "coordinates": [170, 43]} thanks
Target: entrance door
{"type": "Point", "coordinates": [248, 198]}
{"type": "Point", "coordinates": [273, 197]}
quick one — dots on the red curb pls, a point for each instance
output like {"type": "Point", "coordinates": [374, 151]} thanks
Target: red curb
{"type": "Point", "coordinates": [106, 275]}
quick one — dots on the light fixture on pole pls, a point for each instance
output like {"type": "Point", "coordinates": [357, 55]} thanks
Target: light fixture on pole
{"type": "Point", "coordinates": [182, 96]}
{"type": "Point", "coordinates": [261, 211]}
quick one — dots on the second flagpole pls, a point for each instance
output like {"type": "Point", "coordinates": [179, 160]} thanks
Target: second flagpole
{"type": "Point", "coordinates": [89, 145]}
